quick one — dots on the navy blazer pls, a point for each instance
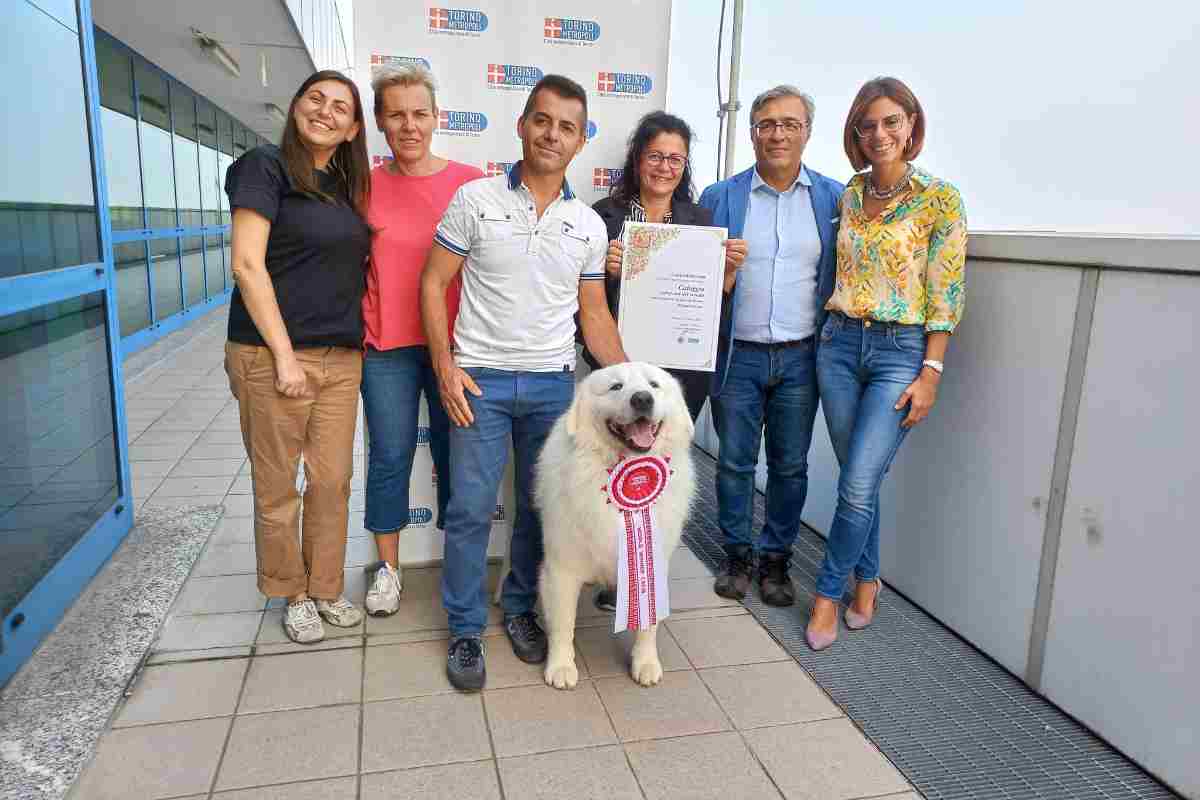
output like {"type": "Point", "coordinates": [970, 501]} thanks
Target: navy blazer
{"type": "Point", "coordinates": [729, 200]}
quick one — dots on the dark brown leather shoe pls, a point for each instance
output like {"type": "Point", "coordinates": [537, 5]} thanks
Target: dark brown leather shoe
{"type": "Point", "coordinates": [735, 577]}
{"type": "Point", "coordinates": [774, 583]}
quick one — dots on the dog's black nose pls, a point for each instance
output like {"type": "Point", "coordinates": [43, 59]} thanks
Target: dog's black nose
{"type": "Point", "coordinates": [642, 402]}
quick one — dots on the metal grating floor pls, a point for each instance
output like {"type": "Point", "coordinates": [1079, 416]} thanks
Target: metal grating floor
{"type": "Point", "coordinates": [955, 723]}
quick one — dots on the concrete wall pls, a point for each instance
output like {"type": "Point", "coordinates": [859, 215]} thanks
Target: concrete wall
{"type": "Point", "coordinates": [1049, 509]}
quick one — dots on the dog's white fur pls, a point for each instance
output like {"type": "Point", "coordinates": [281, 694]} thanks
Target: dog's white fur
{"type": "Point", "coordinates": [580, 527]}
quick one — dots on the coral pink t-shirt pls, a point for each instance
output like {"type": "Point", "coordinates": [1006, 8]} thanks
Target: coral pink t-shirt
{"type": "Point", "coordinates": [404, 213]}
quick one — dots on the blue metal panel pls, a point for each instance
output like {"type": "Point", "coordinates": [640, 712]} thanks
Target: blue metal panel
{"type": "Point", "coordinates": [39, 288]}
{"type": "Point", "coordinates": [149, 335]}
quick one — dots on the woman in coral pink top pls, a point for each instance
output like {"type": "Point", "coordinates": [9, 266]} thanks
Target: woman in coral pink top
{"type": "Point", "coordinates": [408, 196]}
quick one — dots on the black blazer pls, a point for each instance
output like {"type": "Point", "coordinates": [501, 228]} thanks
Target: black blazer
{"type": "Point", "coordinates": [682, 213]}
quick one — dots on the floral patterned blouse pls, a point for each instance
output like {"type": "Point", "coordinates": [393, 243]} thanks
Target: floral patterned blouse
{"type": "Point", "coordinates": [907, 264]}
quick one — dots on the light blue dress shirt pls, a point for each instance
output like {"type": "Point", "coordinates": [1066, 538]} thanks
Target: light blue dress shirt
{"type": "Point", "coordinates": [777, 283]}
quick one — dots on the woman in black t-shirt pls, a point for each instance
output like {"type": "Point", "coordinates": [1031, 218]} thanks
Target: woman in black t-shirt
{"type": "Point", "coordinates": [294, 355]}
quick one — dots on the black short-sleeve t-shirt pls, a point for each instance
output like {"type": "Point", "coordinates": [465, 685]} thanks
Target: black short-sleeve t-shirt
{"type": "Point", "coordinates": [316, 254]}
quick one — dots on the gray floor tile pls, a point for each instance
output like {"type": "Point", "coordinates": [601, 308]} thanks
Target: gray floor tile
{"type": "Point", "coordinates": [211, 437]}
{"type": "Point", "coordinates": [233, 529]}
{"type": "Point", "coordinates": [239, 505]}
{"type": "Point", "coordinates": [684, 564]}
{"type": "Point", "coordinates": [154, 762]}
{"type": "Point", "coordinates": [505, 670]}
{"type": "Point", "coordinates": [182, 656]}
{"type": "Point", "coordinates": [206, 449]}
{"type": "Point", "coordinates": [158, 501]}
{"type": "Point", "coordinates": [190, 467]}
{"type": "Point", "coordinates": [334, 789]}
{"type": "Point", "coordinates": [424, 731]}
{"type": "Point", "coordinates": [220, 595]}
{"type": "Point", "coordinates": [407, 670]}
{"type": "Point", "coordinates": [281, 746]}
{"type": "Point", "coordinates": [679, 705]}
{"type": "Point", "coordinates": [144, 471]}
{"type": "Point", "coordinates": [691, 593]}
{"type": "Point", "coordinates": [774, 693]}
{"type": "Point", "coordinates": [476, 780]}
{"type": "Point", "coordinates": [712, 767]}
{"type": "Point", "coordinates": [210, 630]}
{"type": "Point", "coordinates": [539, 719]}
{"type": "Point", "coordinates": [600, 773]}
{"type": "Point", "coordinates": [226, 559]}
{"type": "Point", "coordinates": [302, 680]}
{"type": "Point", "coordinates": [189, 487]}
{"type": "Point", "coordinates": [827, 760]}
{"type": "Point", "coordinates": [176, 692]}
{"type": "Point", "coordinates": [156, 452]}
{"type": "Point", "coordinates": [606, 653]}
{"type": "Point", "coordinates": [241, 485]}
{"type": "Point", "coordinates": [725, 642]}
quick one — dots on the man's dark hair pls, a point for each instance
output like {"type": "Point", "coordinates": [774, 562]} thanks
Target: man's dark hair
{"type": "Point", "coordinates": [562, 86]}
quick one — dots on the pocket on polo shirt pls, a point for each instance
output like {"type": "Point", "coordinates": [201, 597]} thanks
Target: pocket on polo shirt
{"type": "Point", "coordinates": [493, 226]}
{"type": "Point", "coordinates": [575, 245]}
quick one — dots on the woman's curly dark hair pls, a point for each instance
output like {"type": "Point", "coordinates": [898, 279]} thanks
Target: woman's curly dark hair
{"type": "Point", "coordinates": [626, 190]}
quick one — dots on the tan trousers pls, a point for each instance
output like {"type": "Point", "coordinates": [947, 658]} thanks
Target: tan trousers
{"type": "Point", "coordinates": [299, 555]}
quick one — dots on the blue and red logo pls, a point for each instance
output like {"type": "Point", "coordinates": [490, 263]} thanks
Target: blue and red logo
{"type": "Point", "coordinates": [495, 168]}
{"type": "Point", "coordinates": [591, 130]}
{"type": "Point", "coordinates": [420, 516]}
{"type": "Point", "coordinates": [457, 21]}
{"type": "Point", "coordinates": [381, 60]}
{"type": "Point", "coordinates": [379, 161]}
{"type": "Point", "coordinates": [623, 84]}
{"type": "Point", "coordinates": [604, 178]}
{"type": "Point", "coordinates": [462, 123]}
{"type": "Point", "coordinates": [512, 76]}
{"type": "Point", "coordinates": [561, 30]}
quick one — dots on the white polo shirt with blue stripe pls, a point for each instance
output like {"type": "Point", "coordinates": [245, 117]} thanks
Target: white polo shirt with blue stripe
{"type": "Point", "coordinates": [521, 276]}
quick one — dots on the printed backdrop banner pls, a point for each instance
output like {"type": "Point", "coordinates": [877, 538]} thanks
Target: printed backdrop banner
{"type": "Point", "coordinates": [486, 56]}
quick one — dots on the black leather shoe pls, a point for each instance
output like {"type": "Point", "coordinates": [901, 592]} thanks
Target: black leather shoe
{"type": "Point", "coordinates": [774, 583]}
{"type": "Point", "coordinates": [606, 600]}
{"type": "Point", "coordinates": [527, 637]}
{"type": "Point", "coordinates": [734, 580]}
{"type": "Point", "coordinates": [465, 666]}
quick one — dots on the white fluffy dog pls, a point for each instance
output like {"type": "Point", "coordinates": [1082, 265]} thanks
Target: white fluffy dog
{"type": "Point", "coordinates": [627, 409]}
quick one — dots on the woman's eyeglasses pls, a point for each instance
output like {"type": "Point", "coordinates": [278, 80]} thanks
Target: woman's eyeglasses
{"type": "Point", "coordinates": [674, 161]}
{"type": "Point", "coordinates": [891, 124]}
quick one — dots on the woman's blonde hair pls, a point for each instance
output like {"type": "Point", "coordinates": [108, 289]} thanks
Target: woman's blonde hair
{"type": "Point", "coordinates": [403, 75]}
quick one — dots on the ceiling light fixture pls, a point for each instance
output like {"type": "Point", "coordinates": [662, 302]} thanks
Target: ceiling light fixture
{"type": "Point", "coordinates": [217, 52]}
{"type": "Point", "coordinates": [276, 113]}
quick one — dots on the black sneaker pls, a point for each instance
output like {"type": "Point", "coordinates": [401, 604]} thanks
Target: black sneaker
{"type": "Point", "coordinates": [734, 580]}
{"type": "Point", "coordinates": [527, 637]}
{"type": "Point", "coordinates": [606, 600]}
{"type": "Point", "coordinates": [465, 665]}
{"type": "Point", "coordinates": [774, 583]}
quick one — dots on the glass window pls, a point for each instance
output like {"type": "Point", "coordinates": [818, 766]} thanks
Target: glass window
{"type": "Point", "coordinates": [47, 201]}
{"type": "Point", "coordinates": [119, 123]}
{"type": "Point", "coordinates": [59, 472]}
{"type": "Point", "coordinates": [214, 267]}
{"type": "Point", "coordinates": [158, 172]}
{"type": "Point", "coordinates": [187, 157]}
{"type": "Point", "coordinates": [206, 119]}
{"type": "Point", "coordinates": [193, 270]}
{"type": "Point", "coordinates": [225, 129]}
{"type": "Point", "coordinates": [133, 286]}
{"type": "Point", "coordinates": [164, 268]}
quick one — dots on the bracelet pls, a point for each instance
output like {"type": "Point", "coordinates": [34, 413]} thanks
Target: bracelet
{"type": "Point", "coordinates": [936, 366]}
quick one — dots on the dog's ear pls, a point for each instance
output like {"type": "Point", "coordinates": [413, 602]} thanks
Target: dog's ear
{"type": "Point", "coordinates": [577, 413]}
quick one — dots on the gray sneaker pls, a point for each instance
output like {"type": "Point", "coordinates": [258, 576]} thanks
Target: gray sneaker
{"type": "Point", "coordinates": [383, 598]}
{"type": "Point", "coordinates": [340, 612]}
{"type": "Point", "coordinates": [302, 624]}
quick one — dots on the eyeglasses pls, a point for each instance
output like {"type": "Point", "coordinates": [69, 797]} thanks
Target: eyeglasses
{"type": "Point", "coordinates": [674, 161]}
{"type": "Point", "coordinates": [891, 124]}
{"type": "Point", "coordinates": [789, 126]}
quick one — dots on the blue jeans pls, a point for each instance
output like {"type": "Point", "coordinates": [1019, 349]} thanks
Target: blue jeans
{"type": "Point", "coordinates": [392, 383]}
{"type": "Point", "coordinates": [862, 368]}
{"type": "Point", "coordinates": [523, 405]}
{"type": "Point", "coordinates": [776, 386]}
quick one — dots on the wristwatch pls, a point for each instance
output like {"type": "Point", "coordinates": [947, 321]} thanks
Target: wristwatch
{"type": "Point", "coordinates": [936, 366]}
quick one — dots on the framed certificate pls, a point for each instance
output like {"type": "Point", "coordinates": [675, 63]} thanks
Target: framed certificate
{"type": "Point", "coordinates": [671, 279]}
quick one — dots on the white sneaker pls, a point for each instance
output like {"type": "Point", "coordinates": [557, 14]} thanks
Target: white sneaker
{"type": "Point", "coordinates": [301, 623]}
{"type": "Point", "coordinates": [383, 598]}
{"type": "Point", "coordinates": [340, 612]}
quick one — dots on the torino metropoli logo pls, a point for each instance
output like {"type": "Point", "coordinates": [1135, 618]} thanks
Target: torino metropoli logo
{"type": "Point", "coordinates": [457, 21]}
{"type": "Point", "coordinates": [512, 77]}
{"type": "Point", "coordinates": [630, 85]}
{"type": "Point", "coordinates": [379, 161]}
{"type": "Point", "coordinates": [604, 178]}
{"type": "Point", "coordinates": [462, 123]}
{"type": "Point", "coordinates": [379, 61]}
{"type": "Point", "coordinates": [574, 32]}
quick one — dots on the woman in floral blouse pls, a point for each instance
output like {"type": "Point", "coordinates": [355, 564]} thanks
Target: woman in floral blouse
{"type": "Point", "coordinates": [898, 295]}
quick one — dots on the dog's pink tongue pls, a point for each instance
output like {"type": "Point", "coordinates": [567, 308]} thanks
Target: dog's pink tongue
{"type": "Point", "coordinates": [641, 433]}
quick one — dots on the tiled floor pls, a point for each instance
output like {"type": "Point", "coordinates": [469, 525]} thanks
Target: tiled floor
{"type": "Point", "coordinates": [229, 709]}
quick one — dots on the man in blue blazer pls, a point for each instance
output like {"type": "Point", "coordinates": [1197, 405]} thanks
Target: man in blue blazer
{"type": "Point", "coordinates": [766, 357]}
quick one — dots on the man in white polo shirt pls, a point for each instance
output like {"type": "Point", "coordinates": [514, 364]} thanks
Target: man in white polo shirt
{"type": "Point", "coordinates": [531, 254]}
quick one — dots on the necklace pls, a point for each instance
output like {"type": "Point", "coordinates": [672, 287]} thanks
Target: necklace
{"type": "Point", "coordinates": [888, 194]}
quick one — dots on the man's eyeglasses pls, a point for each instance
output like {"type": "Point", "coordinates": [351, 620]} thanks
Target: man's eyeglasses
{"type": "Point", "coordinates": [789, 126]}
{"type": "Point", "coordinates": [891, 124]}
{"type": "Point", "coordinates": [674, 161]}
